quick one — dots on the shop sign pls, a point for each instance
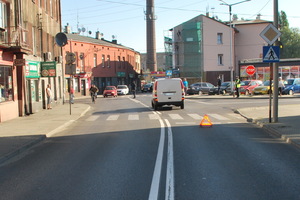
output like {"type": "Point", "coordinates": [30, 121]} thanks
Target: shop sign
{"type": "Point", "coordinates": [32, 69]}
{"type": "Point", "coordinates": [121, 74]}
{"type": "Point", "coordinates": [48, 69]}
{"type": "Point", "coordinates": [19, 62]}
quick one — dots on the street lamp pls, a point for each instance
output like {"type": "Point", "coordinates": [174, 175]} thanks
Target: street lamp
{"type": "Point", "coordinates": [231, 34]}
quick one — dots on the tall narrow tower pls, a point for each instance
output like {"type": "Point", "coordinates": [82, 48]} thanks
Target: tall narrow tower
{"type": "Point", "coordinates": [151, 41]}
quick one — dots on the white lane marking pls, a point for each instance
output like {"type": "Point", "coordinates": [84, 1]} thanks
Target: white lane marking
{"type": "Point", "coordinates": [195, 116]}
{"type": "Point", "coordinates": [175, 116]}
{"type": "Point", "coordinates": [113, 117]}
{"type": "Point", "coordinates": [92, 118]}
{"type": "Point", "coordinates": [219, 117]}
{"type": "Point", "coordinates": [170, 165]}
{"type": "Point", "coordinates": [133, 117]}
{"type": "Point", "coordinates": [153, 116]}
{"type": "Point", "coordinates": [153, 195]}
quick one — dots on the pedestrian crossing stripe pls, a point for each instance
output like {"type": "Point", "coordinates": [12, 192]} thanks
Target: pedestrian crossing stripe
{"type": "Point", "coordinates": [219, 117]}
{"type": "Point", "coordinates": [112, 117]}
{"type": "Point", "coordinates": [133, 117]}
{"type": "Point", "coordinates": [176, 117]}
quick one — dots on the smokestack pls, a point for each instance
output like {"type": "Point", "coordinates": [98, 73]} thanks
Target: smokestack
{"type": "Point", "coordinates": [151, 40]}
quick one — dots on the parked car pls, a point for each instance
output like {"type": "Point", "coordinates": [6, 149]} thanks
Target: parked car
{"type": "Point", "coordinates": [110, 91]}
{"type": "Point", "coordinates": [122, 89]}
{"type": "Point", "coordinates": [248, 86]}
{"type": "Point", "coordinates": [199, 88]}
{"type": "Point", "coordinates": [292, 86]}
{"type": "Point", "coordinates": [147, 87]}
{"type": "Point", "coordinates": [263, 89]}
{"type": "Point", "coordinates": [226, 88]}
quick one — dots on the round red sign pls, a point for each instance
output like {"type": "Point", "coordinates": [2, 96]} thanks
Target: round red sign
{"type": "Point", "coordinates": [250, 70]}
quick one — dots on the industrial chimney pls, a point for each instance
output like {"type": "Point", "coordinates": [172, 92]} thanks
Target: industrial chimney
{"type": "Point", "coordinates": [151, 40]}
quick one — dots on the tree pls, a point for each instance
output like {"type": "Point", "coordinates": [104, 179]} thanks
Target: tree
{"type": "Point", "coordinates": [290, 38]}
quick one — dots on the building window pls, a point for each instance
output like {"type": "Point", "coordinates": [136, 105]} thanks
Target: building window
{"type": "Point", "coordinates": [108, 61]}
{"type": "Point", "coordinates": [220, 59]}
{"type": "Point", "coordinates": [95, 60]}
{"type": "Point", "coordinates": [45, 5]}
{"type": "Point", "coordinates": [119, 61]}
{"type": "Point", "coordinates": [81, 62]}
{"type": "Point", "coordinates": [103, 60]}
{"type": "Point", "coordinates": [3, 15]}
{"type": "Point", "coordinates": [123, 63]}
{"type": "Point", "coordinates": [220, 38]}
{"type": "Point", "coordinates": [6, 84]}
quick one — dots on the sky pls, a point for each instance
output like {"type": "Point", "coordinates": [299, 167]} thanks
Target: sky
{"type": "Point", "coordinates": [125, 19]}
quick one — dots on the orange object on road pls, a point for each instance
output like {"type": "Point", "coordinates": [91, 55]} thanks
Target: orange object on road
{"type": "Point", "coordinates": [206, 122]}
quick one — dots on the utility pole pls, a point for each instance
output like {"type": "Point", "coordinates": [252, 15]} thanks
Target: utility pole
{"type": "Point", "coordinates": [275, 70]}
{"type": "Point", "coordinates": [231, 54]}
{"type": "Point", "coordinates": [151, 41]}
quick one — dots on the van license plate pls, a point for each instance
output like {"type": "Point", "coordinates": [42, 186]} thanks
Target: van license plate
{"type": "Point", "coordinates": [169, 94]}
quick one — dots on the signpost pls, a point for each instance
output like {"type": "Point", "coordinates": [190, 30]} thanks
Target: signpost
{"type": "Point", "coordinates": [271, 54]}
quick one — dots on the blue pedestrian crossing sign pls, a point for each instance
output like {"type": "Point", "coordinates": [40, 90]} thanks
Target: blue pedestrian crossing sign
{"type": "Point", "coordinates": [271, 54]}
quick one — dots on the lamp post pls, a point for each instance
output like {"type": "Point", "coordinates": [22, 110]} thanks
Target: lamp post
{"type": "Point", "coordinates": [231, 35]}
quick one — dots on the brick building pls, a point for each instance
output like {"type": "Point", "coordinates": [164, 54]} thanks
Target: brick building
{"type": "Point", "coordinates": [101, 62]}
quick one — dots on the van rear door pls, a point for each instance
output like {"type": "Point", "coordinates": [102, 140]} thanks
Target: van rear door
{"type": "Point", "coordinates": [169, 90]}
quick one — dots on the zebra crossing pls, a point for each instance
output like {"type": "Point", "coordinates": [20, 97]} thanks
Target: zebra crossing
{"type": "Point", "coordinates": [173, 116]}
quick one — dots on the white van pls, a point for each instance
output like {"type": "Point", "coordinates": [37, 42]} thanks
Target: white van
{"type": "Point", "coordinates": [168, 91]}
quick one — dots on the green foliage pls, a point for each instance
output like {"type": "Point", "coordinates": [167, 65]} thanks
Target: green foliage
{"type": "Point", "coordinates": [290, 38]}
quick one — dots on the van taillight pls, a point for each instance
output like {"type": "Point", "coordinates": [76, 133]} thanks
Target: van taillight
{"type": "Point", "coordinates": [182, 88]}
{"type": "Point", "coordinates": [155, 89]}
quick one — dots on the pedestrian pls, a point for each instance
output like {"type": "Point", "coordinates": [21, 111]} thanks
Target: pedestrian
{"type": "Point", "coordinates": [93, 91]}
{"type": "Point", "coordinates": [133, 88]}
{"type": "Point", "coordinates": [237, 86]}
{"type": "Point", "coordinates": [280, 86]}
{"type": "Point", "coordinates": [71, 95]}
{"type": "Point", "coordinates": [49, 96]}
{"type": "Point", "coordinates": [219, 82]}
{"type": "Point", "coordinates": [186, 85]}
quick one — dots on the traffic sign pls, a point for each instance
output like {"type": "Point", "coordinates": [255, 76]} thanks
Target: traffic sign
{"type": "Point", "coordinates": [70, 58]}
{"type": "Point", "coordinates": [250, 70]}
{"type": "Point", "coordinates": [169, 72]}
{"type": "Point", "coordinates": [270, 34]}
{"type": "Point", "coordinates": [271, 54]}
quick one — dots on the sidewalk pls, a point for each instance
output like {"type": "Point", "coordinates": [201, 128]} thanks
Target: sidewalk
{"type": "Point", "coordinates": [21, 133]}
{"type": "Point", "coordinates": [287, 127]}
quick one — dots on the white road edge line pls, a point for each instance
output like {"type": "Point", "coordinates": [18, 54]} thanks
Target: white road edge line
{"type": "Point", "coordinates": [170, 165]}
{"type": "Point", "coordinates": [158, 164]}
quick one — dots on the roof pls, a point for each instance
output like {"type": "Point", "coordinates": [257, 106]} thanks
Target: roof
{"type": "Point", "coordinates": [256, 21]}
{"type": "Point", "coordinates": [81, 38]}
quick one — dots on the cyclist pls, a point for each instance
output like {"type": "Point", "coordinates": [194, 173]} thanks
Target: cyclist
{"type": "Point", "coordinates": [93, 91]}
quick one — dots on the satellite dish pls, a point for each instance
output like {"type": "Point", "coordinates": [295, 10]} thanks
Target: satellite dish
{"type": "Point", "coordinates": [79, 30]}
{"type": "Point", "coordinates": [90, 32]}
{"type": "Point", "coordinates": [61, 39]}
{"type": "Point", "coordinates": [83, 29]}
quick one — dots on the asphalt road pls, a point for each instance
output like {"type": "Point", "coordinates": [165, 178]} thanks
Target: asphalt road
{"type": "Point", "coordinates": [122, 149]}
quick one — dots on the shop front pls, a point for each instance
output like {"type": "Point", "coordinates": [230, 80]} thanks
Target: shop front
{"type": "Point", "coordinates": [288, 68]}
{"type": "Point", "coordinates": [8, 90]}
